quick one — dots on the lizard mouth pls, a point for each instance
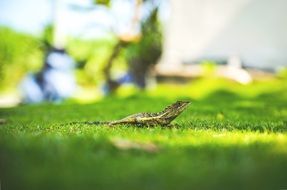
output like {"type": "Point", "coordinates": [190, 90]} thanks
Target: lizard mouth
{"type": "Point", "coordinates": [182, 104]}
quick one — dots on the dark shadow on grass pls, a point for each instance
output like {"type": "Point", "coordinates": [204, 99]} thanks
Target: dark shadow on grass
{"type": "Point", "coordinates": [87, 163]}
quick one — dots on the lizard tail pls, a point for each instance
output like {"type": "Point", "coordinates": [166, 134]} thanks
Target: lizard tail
{"type": "Point", "coordinates": [91, 122]}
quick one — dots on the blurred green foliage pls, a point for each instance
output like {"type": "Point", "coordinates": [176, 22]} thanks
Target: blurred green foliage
{"type": "Point", "coordinates": [103, 2]}
{"type": "Point", "coordinates": [91, 57]}
{"type": "Point", "coordinates": [19, 53]}
{"type": "Point", "coordinates": [22, 53]}
{"type": "Point", "coordinates": [47, 38]}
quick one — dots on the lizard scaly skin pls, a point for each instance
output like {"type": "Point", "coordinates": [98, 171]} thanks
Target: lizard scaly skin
{"type": "Point", "coordinates": [163, 118]}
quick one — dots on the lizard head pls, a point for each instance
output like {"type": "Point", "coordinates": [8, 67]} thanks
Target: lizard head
{"type": "Point", "coordinates": [180, 105]}
{"type": "Point", "coordinates": [173, 110]}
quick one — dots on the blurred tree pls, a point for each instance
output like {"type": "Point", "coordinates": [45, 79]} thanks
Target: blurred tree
{"type": "Point", "coordinates": [141, 51]}
{"type": "Point", "coordinates": [147, 51]}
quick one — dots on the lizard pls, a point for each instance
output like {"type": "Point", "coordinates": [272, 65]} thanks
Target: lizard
{"type": "Point", "coordinates": [163, 118]}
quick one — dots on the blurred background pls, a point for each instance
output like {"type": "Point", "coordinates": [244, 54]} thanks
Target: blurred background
{"type": "Point", "coordinates": [84, 50]}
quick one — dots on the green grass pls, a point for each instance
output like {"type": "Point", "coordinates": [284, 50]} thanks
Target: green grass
{"type": "Point", "coordinates": [227, 139]}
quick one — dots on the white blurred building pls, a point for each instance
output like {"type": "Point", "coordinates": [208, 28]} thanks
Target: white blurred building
{"type": "Point", "coordinates": [253, 32]}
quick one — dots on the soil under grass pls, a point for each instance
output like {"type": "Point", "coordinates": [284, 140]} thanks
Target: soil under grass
{"type": "Point", "coordinates": [224, 141]}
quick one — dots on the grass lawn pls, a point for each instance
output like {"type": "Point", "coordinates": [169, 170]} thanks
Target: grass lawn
{"type": "Point", "coordinates": [231, 137]}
